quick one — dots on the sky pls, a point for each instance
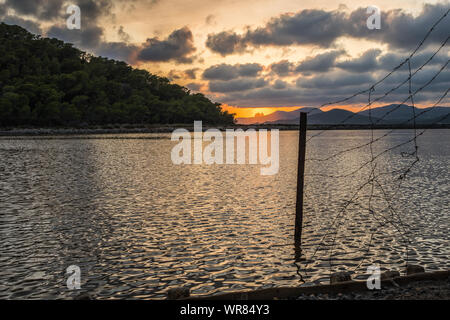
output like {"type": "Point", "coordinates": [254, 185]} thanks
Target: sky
{"type": "Point", "coordinates": [259, 56]}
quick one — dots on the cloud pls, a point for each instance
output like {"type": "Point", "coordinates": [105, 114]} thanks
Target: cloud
{"type": "Point", "coordinates": [334, 80]}
{"type": "Point", "coordinates": [194, 86]}
{"type": "Point", "coordinates": [322, 28]}
{"type": "Point", "coordinates": [178, 47]}
{"type": "Point", "coordinates": [116, 50]}
{"type": "Point", "coordinates": [125, 37]}
{"type": "Point", "coordinates": [319, 63]}
{"type": "Point", "coordinates": [340, 84]}
{"type": "Point", "coordinates": [191, 73]}
{"type": "Point", "coordinates": [27, 24]}
{"type": "Point", "coordinates": [42, 9]}
{"type": "Point", "coordinates": [279, 84]}
{"type": "Point", "coordinates": [282, 68]}
{"type": "Point", "coordinates": [249, 69]}
{"type": "Point", "coordinates": [366, 62]}
{"type": "Point", "coordinates": [91, 10]}
{"type": "Point", "coordinates": [236, 85]}
{"type": "Point", "coordinates": [228, 72]}
{"type": "Point", "coordinates": [225, 43]}
{"type": "Point", "coordinates": [221, 72]}
{"type": "Point", "coordinates": [210, 19]}
{"type": "Point", "coordinates": [88, 37]}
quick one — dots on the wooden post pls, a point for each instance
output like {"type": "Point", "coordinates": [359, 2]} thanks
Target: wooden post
{"type": "Point", "coordinates": [300, 178]}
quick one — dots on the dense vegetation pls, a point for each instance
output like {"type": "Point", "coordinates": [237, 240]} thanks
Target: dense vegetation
{"type": "Point", "coordinates": [46, 82]}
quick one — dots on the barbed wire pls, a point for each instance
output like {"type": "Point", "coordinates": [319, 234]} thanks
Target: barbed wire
{"type": "Point", "coordinates": [385, 213]}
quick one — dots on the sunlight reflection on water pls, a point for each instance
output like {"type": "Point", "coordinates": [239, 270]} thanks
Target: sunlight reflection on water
{"type": "Point", "coordinates": [137, 225]}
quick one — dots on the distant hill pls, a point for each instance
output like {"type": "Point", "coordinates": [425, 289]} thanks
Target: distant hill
{"type": "Point", "coordinates": [46, 82]}
{"type": "Point", "coordinates": [387, 115]}
{"type": "Point", "coordinates": [394, 114]}
{"type": "Point", "coordinates": [278, 116]}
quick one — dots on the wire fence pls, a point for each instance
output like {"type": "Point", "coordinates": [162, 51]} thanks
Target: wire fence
{"type": "Point", "coordinates": [375, 194]}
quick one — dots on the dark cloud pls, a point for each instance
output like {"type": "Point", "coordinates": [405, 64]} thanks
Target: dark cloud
{"type": "Point", "coordinates": [366, 62]}
{"type": "Point", "coordinates": [86, 38]}
{"type": "Point", "coordinates": [373, 60]}
{"type": "Point", "coordinates": [91, 10]}
{"type": "Point", "coordinates": [306, 27]}
{"type": "Point", "coordinates": [236, 85]}
{"type": "Point", "coordinates": [116, 50]}
{"type": "Point", "coordinates": [185, 74]}
{"type": "Point", "coordinates": [179, 47]}
{"type": "Point", "coordinates": [221, 72]}
{"type": "Point", "coordinates": [319, 63]}
{"type": "Point", "coordinates": [191, 73]}
{"type": "Point", "coordinates": [391, 59]}
{"type": "Point", "coordinates": [194, 86]}
{"type": "Point", "coordinates": [225, 43]}
{"type": "Point", "coordinates": [403, 30]}
{"type": "Point", "coordinates": [322, 28]}
{"type": "Point", "coordinates": [125, 37]}
{"type": "Point", "coordinates": [316, 27]}
{"type": "Point", "coordinates": [282, 68]}
{"type": "Point", "coordinates": [340, 84]}
{"type": "Point", "coordinates": [249, 69]}
{"type": "Point", "coordinates": [42, 9]}
{"type": "Point", "coordinates": [334, 80]}
{"type": "Point", "coordinates": [31, 26]}
{"type": "Point", "coordinates": [210, 19]}
{"type": "Point", "coordinates": [279, 84]}
{"type": "Point", "coordinates": [227, 72]}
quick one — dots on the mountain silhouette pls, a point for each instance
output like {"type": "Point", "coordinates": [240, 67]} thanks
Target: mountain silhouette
{"type": "Point", "coordinates": [392, 114]}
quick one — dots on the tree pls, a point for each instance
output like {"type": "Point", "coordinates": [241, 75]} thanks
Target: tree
{"type": "Point", "coordinates": [47, 82]}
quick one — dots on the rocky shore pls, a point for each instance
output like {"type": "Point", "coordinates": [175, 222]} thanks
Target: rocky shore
{"type": "Point", "coordinates": [421, 290]}
{"type": "Point", "coordinates": [415, 285]}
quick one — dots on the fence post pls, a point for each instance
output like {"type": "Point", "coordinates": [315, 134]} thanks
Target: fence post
{"type": "Point", "coordinates": [300, 178]}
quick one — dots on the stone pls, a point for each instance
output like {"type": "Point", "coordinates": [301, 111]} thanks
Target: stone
{"type": "Point", "coordinates": [178, 293]}
{"type": "Point", "coordinates": [83, 296]}
{"type": "Point", "coordinates": [338, 277]}
{"type": "Point", "coordinates": [390, 274]}
{"type": "Point", "coordinates": [413, 269]}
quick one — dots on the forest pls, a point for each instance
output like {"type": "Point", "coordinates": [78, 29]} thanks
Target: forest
{"type": "Point", "coordinates": [46, 82]}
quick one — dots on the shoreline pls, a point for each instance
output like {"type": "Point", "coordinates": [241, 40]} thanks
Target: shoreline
{"type": "Point", "coordinates": [412, 286]}
{"type": "Point", "coordinates": [128, 129]}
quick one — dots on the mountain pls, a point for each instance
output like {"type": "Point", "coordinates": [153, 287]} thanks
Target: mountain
{"type": "Point", "coordinates": [278, 116]}
{"type": "Point", "coordinates": [332, 117]}
{"type": "Point", "coordinates": [392, 114]}
{"type": "Point", "coordinates": [46, 82]}
{"type": "Point", "coordinates": [395, 114]}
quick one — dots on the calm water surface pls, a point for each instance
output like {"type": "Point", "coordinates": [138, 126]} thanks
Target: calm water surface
{"type": "Point", "coordinates": [137, 225]}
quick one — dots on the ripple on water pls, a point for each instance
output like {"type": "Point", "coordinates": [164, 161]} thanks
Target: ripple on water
{"type": "Point", "coordinates": [138, 225]}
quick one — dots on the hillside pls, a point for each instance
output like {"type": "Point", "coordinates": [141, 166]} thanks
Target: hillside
{"type": "Point", "coordinates": [387, 115]}
{"type": "Point", "coordinates": [46, 82]}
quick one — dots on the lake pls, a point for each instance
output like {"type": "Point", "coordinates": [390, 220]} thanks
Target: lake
{"type": "Point", "coordinates": [137, 225]}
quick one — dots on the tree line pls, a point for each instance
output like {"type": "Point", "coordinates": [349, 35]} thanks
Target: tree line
{"type": "Point", "coordinates": [46, 82]}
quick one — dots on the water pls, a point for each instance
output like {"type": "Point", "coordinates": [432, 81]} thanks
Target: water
{"type": "Point", "coordinates": [137, 225]}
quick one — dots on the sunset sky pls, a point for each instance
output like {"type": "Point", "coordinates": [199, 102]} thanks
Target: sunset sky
{"type": "Point", "coordinates": [256, 56]}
